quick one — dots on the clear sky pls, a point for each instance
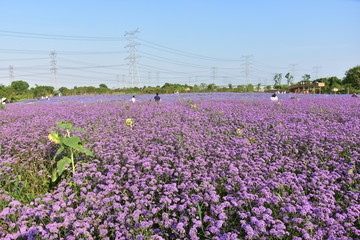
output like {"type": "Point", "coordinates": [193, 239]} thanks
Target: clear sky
{"type": "Point", "coordinates": [188, 41]}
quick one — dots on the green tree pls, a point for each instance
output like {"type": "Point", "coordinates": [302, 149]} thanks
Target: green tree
{"type": "Point", "coordinates": [8, 92]}
{"type": "Point", "coordinates": [240, 88]}
{"type": "Point", "coordinates": [40, 91]}
{"type": "Point", "coordinates": [277, 79]}
{"type": "Point", "coordinates": [63, 89]}
{"type": "Point", "coordinates": [334, 83]}
{"type": "Point", "coordinates": [258, 87]}
{"type": "Point", "coordinates": [348, 88]}
{"type": "Point", "coordinates": [20, 87]}
{"type": "Point", "coordinates": [352, 78]}
{"type": "Point", "coordinates": [249, 88]}
{"type": "Point", "coordinates": [306, 77]}
{"type": "Point", "coordinates": [289, 78]}
{"type": "Point", "coordinates": [330, 84]}
{"type": "Point", "coordinates": [282, 88]}
{"type": "Point", "coordinates": [102, 85]}
{"type": "Point", "coordinates": [3, 91]}
{"type": "Point", "coordinates": [202, 86]}
{"type": "Point", "coordinates": [211, 87]}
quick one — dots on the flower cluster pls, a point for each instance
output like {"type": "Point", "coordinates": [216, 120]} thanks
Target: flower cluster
{"type": "Point", "coordinates": [231, 169]}
{"type": "Point", "coordinates": [171, 98]}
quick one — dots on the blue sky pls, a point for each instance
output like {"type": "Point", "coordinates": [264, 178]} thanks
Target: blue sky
{"type": "Point", "coordinates": [193, 42]}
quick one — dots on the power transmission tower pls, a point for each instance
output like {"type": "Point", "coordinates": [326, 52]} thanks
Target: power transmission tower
{"type": "Point", "coordinates": [133, 70]}
{"type": "Point", "coordinates": [124, 80]}
{"type": "Point", "coordinates": [214, 74]}
{"type": "Point", "coordinates": [11, 73]}
{"type": "Point", "coordinates": [53, 68]}
{"type": "Point", "coordinates": [246, 65]}
{"type": "Point", "coordinates": [316, 71]}
{"type": "Point", "coordinates": [149, 77]}
{"type": "Point", "coordinates": [157, 79]}
{"type": "Point", "coordinates": [293, 70]}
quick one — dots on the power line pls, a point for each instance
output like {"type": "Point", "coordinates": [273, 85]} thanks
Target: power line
{"type": "Point", "coordinates": [41, 67]}
{"type": "Point", "coordinates": [187, 62]}
{"type": "Point", "coordinates": [57, 37]}
{"type": "Point", "coordinates": [133, 73]}
{"type": "Point", "coordinates": [184, 53]}
{"type": "Point", "coordinates": [22, 51]}
{"type": "Point", "coordinates": [85, 77]}
{"type": "Point", "coordinates": [21, 59]}
{"type": "Point", "coordinates": [91, 67]}
{"type": "Point", "coordinates": [168, 60]}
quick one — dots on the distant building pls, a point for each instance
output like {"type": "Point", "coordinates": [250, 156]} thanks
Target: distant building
{"type": "Point", "coordinates": [307, 87]}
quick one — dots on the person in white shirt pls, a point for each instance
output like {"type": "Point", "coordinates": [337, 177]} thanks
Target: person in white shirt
{"type": "Point", "coordinates": [274, 97]}
{"type": "Point", "coordinates": [133, 99]}
{"type": "Point", "coordinates": [3, 100]}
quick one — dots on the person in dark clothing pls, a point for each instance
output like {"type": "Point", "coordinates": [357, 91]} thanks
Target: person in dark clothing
{"type": "Point", "coordinates": [157, 97]}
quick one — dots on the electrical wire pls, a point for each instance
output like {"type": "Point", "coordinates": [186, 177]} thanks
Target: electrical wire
{"type": "Point", "coordinates": [247, 67]}
{"type": "Point", "coordinates": [57, 37]}
{"type": "Point", "coordinates": [18, 51]}
{"type": "Point", "coordinates": [184, 53]}
{"type": "Point", "coordinates": [167, 60]}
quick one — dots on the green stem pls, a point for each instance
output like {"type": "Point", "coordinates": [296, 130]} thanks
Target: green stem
{"type": "Point", "coordinates": [72, 154]}
{"type": "Point", "coordinates": [72, 161]}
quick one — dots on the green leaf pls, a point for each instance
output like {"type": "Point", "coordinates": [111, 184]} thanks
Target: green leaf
{"type": "Point", "coordinates": [84, 150]}
{"type": "Point", "coordinates": [88, 152]}
{"type": "Point", "coordinates": [72, 142]}
{"type": "Point", "coordinates": [69, 126]}
{"type": "Point", "coordinates": [66, 125]}
{"type": "Point", "coordinates": [60, 150]}
{"type": "Point", "coordinates": [60, 168]}
{"type": "Point", "coordinates": [54, 175]}
{"type": "Point", "coordinates": [61, 165]}
{"type": "Point", "coordinates": [78, 129]}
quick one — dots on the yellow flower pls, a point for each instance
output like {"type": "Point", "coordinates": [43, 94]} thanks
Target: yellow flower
{"type": "Point", "coordinates": [129, 121]}
{"type": "Point", "coordinates": [54, 137]}
{"type": "Point", "coordinates": [194, 106]}
{"type": "Point", "coordinates": [239, 131]}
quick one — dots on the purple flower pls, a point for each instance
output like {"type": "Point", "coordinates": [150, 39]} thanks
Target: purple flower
{"type": "Point", "coordinates": [186, 173]}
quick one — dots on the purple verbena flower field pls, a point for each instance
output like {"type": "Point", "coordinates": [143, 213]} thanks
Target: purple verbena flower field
{"type": "Point", "coordinates": [212, 166]}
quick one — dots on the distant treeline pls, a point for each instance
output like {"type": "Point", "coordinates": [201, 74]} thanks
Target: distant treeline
{"type": "Point", "coordinates": [19, 90]}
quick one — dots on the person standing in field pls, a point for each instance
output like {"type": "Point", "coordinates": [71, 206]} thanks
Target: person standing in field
{"type": "Point", "coordinates": [133, 99]}
{"type": "Point", "coordinates": [274, 97]}
{"type": "Point", "coordinates": [157, 98]}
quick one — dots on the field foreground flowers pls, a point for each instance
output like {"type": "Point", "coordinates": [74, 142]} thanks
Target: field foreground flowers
{"type": "Point", "coordinates": [209, 169]}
